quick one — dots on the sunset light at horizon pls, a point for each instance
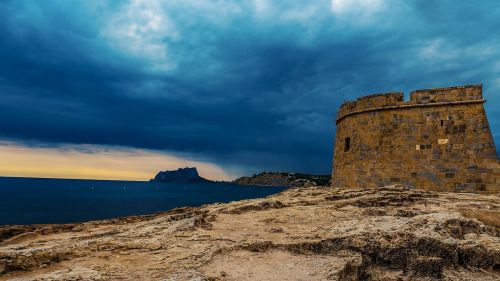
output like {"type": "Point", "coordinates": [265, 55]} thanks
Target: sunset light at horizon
{"type": "Point", "coordinates": [94, 162]}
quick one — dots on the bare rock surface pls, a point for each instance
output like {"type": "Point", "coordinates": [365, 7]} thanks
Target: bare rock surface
{"type": "Point", "coordinates": [315, 233]}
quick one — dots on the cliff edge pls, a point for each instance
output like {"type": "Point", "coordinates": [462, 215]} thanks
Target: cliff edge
{"type": "Point", "coordinates": [390, 233]}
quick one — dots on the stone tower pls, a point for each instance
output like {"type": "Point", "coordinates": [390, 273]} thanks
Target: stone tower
{"type": "Point", "coordinates": [439, 140]}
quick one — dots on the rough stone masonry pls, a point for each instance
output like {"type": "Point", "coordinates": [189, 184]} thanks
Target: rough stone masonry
{"type": "Point", "coordinates": [439, 140]}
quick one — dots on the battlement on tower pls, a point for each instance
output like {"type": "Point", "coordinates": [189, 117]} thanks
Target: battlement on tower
{"type": "Point", "coordinates": [450, 94]}
{"type": "Point", "coordinates": [438, 96]}
{"type": "Point", "coordinates": [371, 101]}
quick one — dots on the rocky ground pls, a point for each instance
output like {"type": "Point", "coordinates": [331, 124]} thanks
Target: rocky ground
{"type": "Point", "coordinates": [392, 233]}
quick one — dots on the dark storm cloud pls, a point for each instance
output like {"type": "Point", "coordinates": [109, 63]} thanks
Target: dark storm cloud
{"type": "Point", "coordinates": [253, 85]}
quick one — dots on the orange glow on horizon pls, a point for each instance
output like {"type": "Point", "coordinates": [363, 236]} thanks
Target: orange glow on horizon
{"type": "Point", "coordinates": [95, 162]}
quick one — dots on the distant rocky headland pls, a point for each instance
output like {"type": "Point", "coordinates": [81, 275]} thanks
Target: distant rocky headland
{"type": "Point", "coordinates": [285, 179]}
{"type": "Point", "coordinates": [190, 175]}
{"type": "Point", "coordinates": [182, 175]}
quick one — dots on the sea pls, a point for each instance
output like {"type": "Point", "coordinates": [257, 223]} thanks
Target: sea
{"type": "Point", "coordinates": [46, 201]}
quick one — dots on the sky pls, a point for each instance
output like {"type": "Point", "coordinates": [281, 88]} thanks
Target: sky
{"type": "Point", "coordinates": [123, 89]}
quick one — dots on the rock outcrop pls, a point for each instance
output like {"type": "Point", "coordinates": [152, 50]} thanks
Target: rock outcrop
{"type": "Point", "coordinates": [316, 233]}
{"type": "Point", "coordinates": [284, 179]}
{"type": "Point", "coordinates": [182, 175]}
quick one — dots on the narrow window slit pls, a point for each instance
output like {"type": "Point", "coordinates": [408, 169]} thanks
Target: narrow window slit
{"type": "Point", "coordinates": [347, 144]}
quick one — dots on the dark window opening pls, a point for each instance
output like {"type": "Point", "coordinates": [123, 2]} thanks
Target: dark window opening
{"type": "Point", "coordinates": [424, 146]}
{"type": "Point", "coordinates": [442, 123]}
{"type": "Point", "coordinates": [347, 144]}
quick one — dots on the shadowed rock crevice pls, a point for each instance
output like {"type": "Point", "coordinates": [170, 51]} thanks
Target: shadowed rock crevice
{"type": "Point", "coordinates": [412, 255]}
{"type": "Point", "coordinates": [255, 207]}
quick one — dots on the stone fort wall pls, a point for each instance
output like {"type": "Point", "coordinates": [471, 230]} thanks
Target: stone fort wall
{"type": "Point", "coordinates": [439, 140]}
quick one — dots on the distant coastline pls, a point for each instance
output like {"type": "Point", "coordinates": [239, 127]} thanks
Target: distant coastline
{"type": "Point", "coordinates": [190, 175]}
{"type": "Point", "coordinates": [285, 179]}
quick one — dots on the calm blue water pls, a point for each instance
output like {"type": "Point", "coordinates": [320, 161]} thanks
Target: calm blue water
{"type": "Point", "coordinates": [30, 201]}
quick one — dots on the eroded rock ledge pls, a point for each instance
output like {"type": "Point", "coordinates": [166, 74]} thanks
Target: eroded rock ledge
{"type": "Point", "coordinates": [390, 233]}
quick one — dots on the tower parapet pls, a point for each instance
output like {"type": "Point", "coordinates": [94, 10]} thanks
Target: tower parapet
{"type": "Point", "coordinates": [430, 97]}
{"type": "Point", "coordinates": [450, 94]}
{"type": "Point", "coordinates": [369, 102]}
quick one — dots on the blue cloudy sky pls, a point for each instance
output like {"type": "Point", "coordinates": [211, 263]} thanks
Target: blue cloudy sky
{"type": "Point", "coordinates": [242, 86]}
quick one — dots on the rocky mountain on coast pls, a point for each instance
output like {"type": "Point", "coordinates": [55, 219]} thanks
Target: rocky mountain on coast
{"type": "Point", "coordinates": [315, 233]}
{"type": "Point", "coordinates": [182, 175]}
